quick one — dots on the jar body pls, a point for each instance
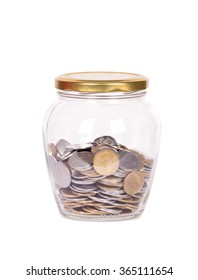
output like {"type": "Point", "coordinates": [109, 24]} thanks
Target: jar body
{"type": "Point", "coordinates": [101, 155]}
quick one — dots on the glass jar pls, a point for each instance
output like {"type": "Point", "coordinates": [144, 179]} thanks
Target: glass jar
{"type": "Point", "coordinates": [101, 140]}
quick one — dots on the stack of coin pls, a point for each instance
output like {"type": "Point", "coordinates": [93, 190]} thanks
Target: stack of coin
{"type": "Point", "coordinates": [99, 178]}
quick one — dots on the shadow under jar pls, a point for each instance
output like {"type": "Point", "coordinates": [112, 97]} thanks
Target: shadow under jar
{"type": "Point", "coordinates": [101, 140]}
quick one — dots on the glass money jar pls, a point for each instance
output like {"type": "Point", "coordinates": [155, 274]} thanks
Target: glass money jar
{"type": "Point", "coordinates": [101, 140]}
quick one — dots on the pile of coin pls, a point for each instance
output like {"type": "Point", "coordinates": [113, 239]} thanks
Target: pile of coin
{"type": "Point", "coordinates": [99, 178]}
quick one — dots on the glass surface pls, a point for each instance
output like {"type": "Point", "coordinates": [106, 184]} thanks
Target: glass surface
{"type": "Point", "coordinates": [101, 154]}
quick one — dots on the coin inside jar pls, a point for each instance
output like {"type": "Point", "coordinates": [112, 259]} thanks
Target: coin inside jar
{"type": "Point", "coordinates": [133, 182]}
{"type": "Point", "coordinates": [129, 161]}
{"type": "Point", "coordinates": [106, 140]}
{"type": "Point", "coordinates": [99, 147]}
{"type": "Point", "coordinates": [81, 160]}
{"type": "Point", "coordinates": [106, 162]}
{"type": "Point", "coordinates": [60, 172]}
{"type": "Point", "coordinates": [61, 146]}
{"type": "Point", "coordinates": [99, 176]}
{"type": "Point", "coordinates": [52, 150]}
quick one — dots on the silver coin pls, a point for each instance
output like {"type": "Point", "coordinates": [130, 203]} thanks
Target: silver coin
{"type": "Point", "coordinates": [74, 199]}
{"type": "Point", "coordinates": [98, 198]}
{"type": "Point", "coordinates": [61, 174]}
{"type": "Point", "coordinates": [111, 179]}
{"type": "Point", "coordinates": [84, 189]}
{"type": "Point", "coordinates": [67, 155]}
{"type": "Point", "coordinates": [83, 182]}
{"type": "Point", "coordinates": [106, 196]}
{"type": "Point", "coordinates": [115, 202]}
{"type": "Point", "coordinates": [52, 161]}
{"type": "Point", "coordinates": [120, 173]}
{"type": "Point", "coordinates": [100, 147]}
{"type": "Point", "coordinates": [111, 184]}
{"type": "Point", "coordinates": [129, 161]}
{"type": "Point", "coordinates": [146, 168]}
{"type": "Point", "coordinates": [116, 198]}
{"type": "Point", "coordinates": [106, 140]}
{"type": "Point", "coordinates": [77, 175]}
{"type": "Point", "coordinates": [62, 147]}
{"type": "Point", "coordinates": [113, 193]}
{"type": "Point", "coordinates": [82, 146]}
{"type": "Point", "coordinates": [81, 160]}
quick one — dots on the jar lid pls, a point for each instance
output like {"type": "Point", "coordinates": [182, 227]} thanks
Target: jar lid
{"type": "Point", "coordinates": [96, 82]}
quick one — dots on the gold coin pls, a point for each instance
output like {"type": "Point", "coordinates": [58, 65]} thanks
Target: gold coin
{"type": "Point", "coordinates": [133, 182]}
{"type": "Point", "coordinates": [106, 162]}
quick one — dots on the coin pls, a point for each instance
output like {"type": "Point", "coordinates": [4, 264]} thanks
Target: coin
{"type": "Point", "coordinates": [81, 160]}
{"type": "Point", "coordinates": [84, 188]}
{"type": "Point", "coordinates": [146, 174]}
{"type": "Point", "coordinates": [52, 161]}
{"type": "Point", "coordinates": [83, 182]}
{"type": "Point", "coordinates": [133, 182]}
{"type": "Point", "coordinates": [96, 148]}
{"type": "Point", "coordinates": [129, 161]}
{"type": "Point", "coordinates": [91, 173]}
{"type": "Point", "coordinates": [99, 147]}
{"type": "Point", "coordinates": [77, 175]}
{"type": "Point", "coordinates": [120, 173]}
{"type": "Point", "coordinates": [62, 146]}
{"type": "Point", "coordinates": [66, 192]}
{"type": "Point", "coordinates": [83, 146]}
{"type": "Point", "coordinates": [98, 198]}
{"type": "Point", "coordinates": [106, 162]}
{"type": "Point", "coordinates": [106, 140]}
{"type": "Point", "coordinates": [61, 174]}
{"type": "Point", "coordinates": [108, 188]}
{"type": "Point", "coordinates": [113, 184]}
{"type": "Point", "coordinates": [140, 155]}
{"type": "Point", "coordinates": [80, 194]}
{"type": "Point", "coordinates": [100, 177]}
{"type": "Point", "coordinates": [111, 179]}
{"type": "Point", "coordinates": [112, 196]}
{"type": "Point", "coordinates": [72, 200]}
{"type": "Point", "coordinates": [122, 147]}
{"type": "Point", "coordinates": [68, 153]}
{"type": "Point", "coordinates": [109, 210]}
{"type": "Point", "coordinates": [52, 150]}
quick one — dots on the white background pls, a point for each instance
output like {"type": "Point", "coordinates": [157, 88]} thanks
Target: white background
{"type": "Point", "coordinates": [42, 39]}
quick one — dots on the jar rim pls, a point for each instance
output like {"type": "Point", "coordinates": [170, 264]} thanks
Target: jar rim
{"type": "Point", "coordinates": [101, 82]}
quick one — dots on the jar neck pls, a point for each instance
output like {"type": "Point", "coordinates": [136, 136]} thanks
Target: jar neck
{"type": "Point", "coordinates": [103, 95]}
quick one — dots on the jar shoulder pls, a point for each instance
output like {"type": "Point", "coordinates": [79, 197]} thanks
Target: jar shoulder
{"type": "Point", "coordinates": [102, 109]}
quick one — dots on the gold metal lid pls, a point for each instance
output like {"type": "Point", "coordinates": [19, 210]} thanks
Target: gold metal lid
{"type": "Point", "coordinates": [96, 82]}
